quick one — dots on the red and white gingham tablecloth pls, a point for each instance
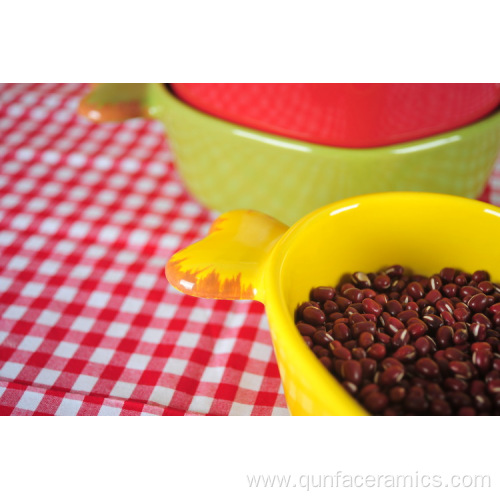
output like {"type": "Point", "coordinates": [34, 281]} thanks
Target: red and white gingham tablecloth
{"type": "Point", "coordinates": [89, 215]}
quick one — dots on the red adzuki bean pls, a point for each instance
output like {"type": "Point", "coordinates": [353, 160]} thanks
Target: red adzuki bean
{"type": "Point", "coordinates": [322, 293]}
{"type": "Point", "coordinates": [314, 315]}
{"type": "Point", "coordinates": [414, 345]}
{"type": "Point", "coordinates": [372, 307]}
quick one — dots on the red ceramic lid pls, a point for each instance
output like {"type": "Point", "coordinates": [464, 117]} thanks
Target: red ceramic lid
{"type": "Point", "coordinates": [354, 115]}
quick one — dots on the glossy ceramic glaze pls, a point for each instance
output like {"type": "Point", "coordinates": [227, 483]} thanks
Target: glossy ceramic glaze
{"type": "Point", "coordinates": [229, 167]}
{"type": "Point", "coordinates": [352, 115]}
{"type": "Point", "coordinates": [250, 255]}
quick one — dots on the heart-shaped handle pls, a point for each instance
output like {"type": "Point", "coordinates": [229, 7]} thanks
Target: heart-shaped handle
{"type": "Point", "coordinates": [116, 101]}
{"type": "Point", "coordinates": [228, 262]}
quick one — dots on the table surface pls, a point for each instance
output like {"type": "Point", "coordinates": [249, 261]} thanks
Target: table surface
{"type": "Point", "coordinates": [89, 215]}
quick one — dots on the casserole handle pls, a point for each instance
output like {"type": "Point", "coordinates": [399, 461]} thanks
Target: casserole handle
{"type": "Point", "coordinates": [115, 102]}
{"type": "Point", "coordinates": [229, 262]}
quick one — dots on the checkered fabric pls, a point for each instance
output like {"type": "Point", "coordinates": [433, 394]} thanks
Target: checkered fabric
{"type": "Point", "coordinates": [89, 215]}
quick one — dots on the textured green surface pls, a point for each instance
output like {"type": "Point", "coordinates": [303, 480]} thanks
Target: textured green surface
{"type": "Point", "coordinates": [227, 166]}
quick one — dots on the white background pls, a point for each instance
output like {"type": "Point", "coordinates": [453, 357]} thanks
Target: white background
{"type": "Point", "coordinates": [195, 457]}
{"type": "Point", "coordinates": [258, 40]}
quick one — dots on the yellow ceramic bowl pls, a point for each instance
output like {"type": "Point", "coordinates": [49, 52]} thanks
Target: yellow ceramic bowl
{"type": "Point", "coordinates": [248, 255]}
{"type": "Point", "coordinates": [227, 166]}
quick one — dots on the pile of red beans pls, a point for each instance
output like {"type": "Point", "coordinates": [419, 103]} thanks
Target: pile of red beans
{"type": "Point", "coordinates": [410, 345]}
